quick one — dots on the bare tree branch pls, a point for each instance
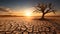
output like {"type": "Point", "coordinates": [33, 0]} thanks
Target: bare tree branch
{"type": "Point", "coordinates": [43, 8]}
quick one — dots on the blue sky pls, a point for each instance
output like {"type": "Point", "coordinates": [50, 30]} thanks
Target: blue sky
{"type": "Point", "coordinates": [27, 3]}
{"type": "Point", "coordinates": [16, 4]}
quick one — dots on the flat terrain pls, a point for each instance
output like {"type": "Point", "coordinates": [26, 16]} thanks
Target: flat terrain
{"type": "Point", "coordinates": [29, 25]}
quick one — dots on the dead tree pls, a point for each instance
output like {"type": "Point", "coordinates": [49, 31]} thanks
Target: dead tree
{"type": "Point", "coordinates": [44, 9]}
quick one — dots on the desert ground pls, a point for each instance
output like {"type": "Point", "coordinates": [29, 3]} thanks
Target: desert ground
{"type": "Point", "coordinates": [23, 25]}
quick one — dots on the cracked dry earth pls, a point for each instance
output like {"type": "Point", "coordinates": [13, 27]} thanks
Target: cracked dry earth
{"type": "Point", "coordinates": [19, 25]}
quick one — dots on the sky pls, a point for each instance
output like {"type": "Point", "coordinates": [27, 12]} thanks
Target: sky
{"type": "Point", "coordinates": [23, 4]}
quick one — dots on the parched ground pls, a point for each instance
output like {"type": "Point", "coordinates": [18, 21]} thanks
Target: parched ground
{"type": "Point", "coordinates": [19, 25]}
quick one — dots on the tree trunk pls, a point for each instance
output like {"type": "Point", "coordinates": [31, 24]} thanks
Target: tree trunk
{"type": "Point", "coordinates": [42, 16]}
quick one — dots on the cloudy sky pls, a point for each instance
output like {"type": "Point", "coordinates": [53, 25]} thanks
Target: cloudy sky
{"type": "Point", "coordinates": [11, 5]}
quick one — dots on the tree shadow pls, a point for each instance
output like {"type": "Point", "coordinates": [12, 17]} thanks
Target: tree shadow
{"type": "Point", "coordinates": [55, 24]}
